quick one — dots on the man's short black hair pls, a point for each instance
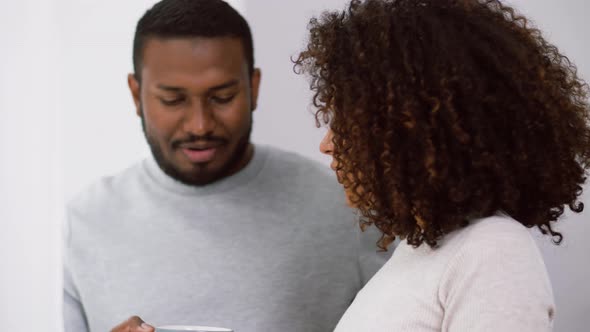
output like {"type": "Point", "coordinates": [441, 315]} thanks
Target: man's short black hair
{"type": "Point", "coordinates": [191, 19]}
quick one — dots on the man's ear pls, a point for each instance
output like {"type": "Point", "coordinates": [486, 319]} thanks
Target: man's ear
{"type": "Point", "coordinates": [255, 84]}
{"type": "Point", "coordinates": [135, 89]}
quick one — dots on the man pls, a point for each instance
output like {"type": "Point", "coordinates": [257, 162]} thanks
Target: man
{"type": "Point", "coordinates": [212, 230]}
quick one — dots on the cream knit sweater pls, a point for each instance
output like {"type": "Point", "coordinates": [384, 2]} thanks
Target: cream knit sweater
{"type": "Point", "coordinates": [489, 276]}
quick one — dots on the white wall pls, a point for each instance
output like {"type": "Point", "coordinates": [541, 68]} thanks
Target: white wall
{"type": "Point", "coordinates": [30, 194]}
{"type": "Point", "coordinates": [101, 133]}
{"type": "Point", "coordinates": [565, 24]}
{"type": "Point", "coordinates": [67, 118]}
{"type": "Point", "coordinates": [284, 116]}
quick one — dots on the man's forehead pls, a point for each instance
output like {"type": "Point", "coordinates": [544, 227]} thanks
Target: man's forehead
{"type": "Point", "coordinates": [178, 82]}
{"type": "Point", "coordinates": [216, 50]}
{"type": "Point", "coordinates": [194, 61]}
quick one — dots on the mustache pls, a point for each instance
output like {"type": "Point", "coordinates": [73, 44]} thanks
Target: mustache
{"type": "Point", "coordinates": [192, 139]}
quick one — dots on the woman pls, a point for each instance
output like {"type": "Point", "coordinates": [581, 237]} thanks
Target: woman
{"type": "Point", "coordinates": [454, 126]}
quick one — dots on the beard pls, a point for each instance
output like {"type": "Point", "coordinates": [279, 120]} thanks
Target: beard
{"type": "Point", "coordinates": [201, 176]}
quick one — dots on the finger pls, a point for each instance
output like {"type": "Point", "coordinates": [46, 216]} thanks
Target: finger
{"type": "Point", "coordinates": [133, 324]}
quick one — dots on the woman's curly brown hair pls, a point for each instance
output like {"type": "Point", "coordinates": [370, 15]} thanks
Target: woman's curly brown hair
{"type": "Point", "coordinates": [444, 111]}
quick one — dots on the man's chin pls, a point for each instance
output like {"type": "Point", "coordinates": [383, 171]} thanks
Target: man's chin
{"type": "Point", "coordinates": [183, 170]}
{"type": "Point", "coordinates": [198, 176]}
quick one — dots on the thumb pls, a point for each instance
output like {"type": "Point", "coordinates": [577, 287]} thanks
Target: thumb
{"type": "Point", "coordinates": [137, 324]}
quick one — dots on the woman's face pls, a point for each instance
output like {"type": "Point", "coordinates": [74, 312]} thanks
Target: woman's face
{"type": "Point", "coordinates": [327, 147]}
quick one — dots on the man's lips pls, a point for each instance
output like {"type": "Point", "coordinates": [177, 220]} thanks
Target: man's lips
{"type": "Point", "coordinates": [200, 152]}
{"type": "Point", "coordinates": [199, 155]}
{"type": "Point", "coordinates": [200, 145]}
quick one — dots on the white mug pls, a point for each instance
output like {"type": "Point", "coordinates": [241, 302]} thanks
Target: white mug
{"type": "Point", "coordinates": [184, 328]}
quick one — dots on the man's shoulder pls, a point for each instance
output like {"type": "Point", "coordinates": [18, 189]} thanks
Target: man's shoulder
{"type": "Point", "coordinates": [106, 189]}
{"type": "Point", "coordinates": [295, 163]}
{"type": "Point", "coordinates": [301, 177]}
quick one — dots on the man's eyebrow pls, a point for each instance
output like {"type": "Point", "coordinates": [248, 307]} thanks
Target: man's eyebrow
{"type": "Point", "coordinates": [226, 85]}
{"type": "Point", "coordinates": [170, 88]}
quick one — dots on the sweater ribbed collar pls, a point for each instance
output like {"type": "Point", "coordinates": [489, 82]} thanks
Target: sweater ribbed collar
{"type": "Point", "coordinates": [248, 173]}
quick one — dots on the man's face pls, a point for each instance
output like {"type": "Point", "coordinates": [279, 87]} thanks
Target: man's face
{"type": "Point", "coordinates": [195, 99]}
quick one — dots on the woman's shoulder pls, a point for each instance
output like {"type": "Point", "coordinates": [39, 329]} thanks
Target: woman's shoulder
{"type": "Point", "coordinates": [496, 233]}
{"type": "Point", "coordinates": [497, 265]}
{"type": "Point", "coordinates": [498, 224]}
{"type": "Point", "coordinates": [496, 250]}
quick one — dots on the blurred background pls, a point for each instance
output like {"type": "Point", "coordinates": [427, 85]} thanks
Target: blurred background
{"type": "Point", "coordinates": [67, 118]}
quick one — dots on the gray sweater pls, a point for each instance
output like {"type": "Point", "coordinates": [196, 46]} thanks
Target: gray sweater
{"type": "Point", "coordinates": [271, 248]}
